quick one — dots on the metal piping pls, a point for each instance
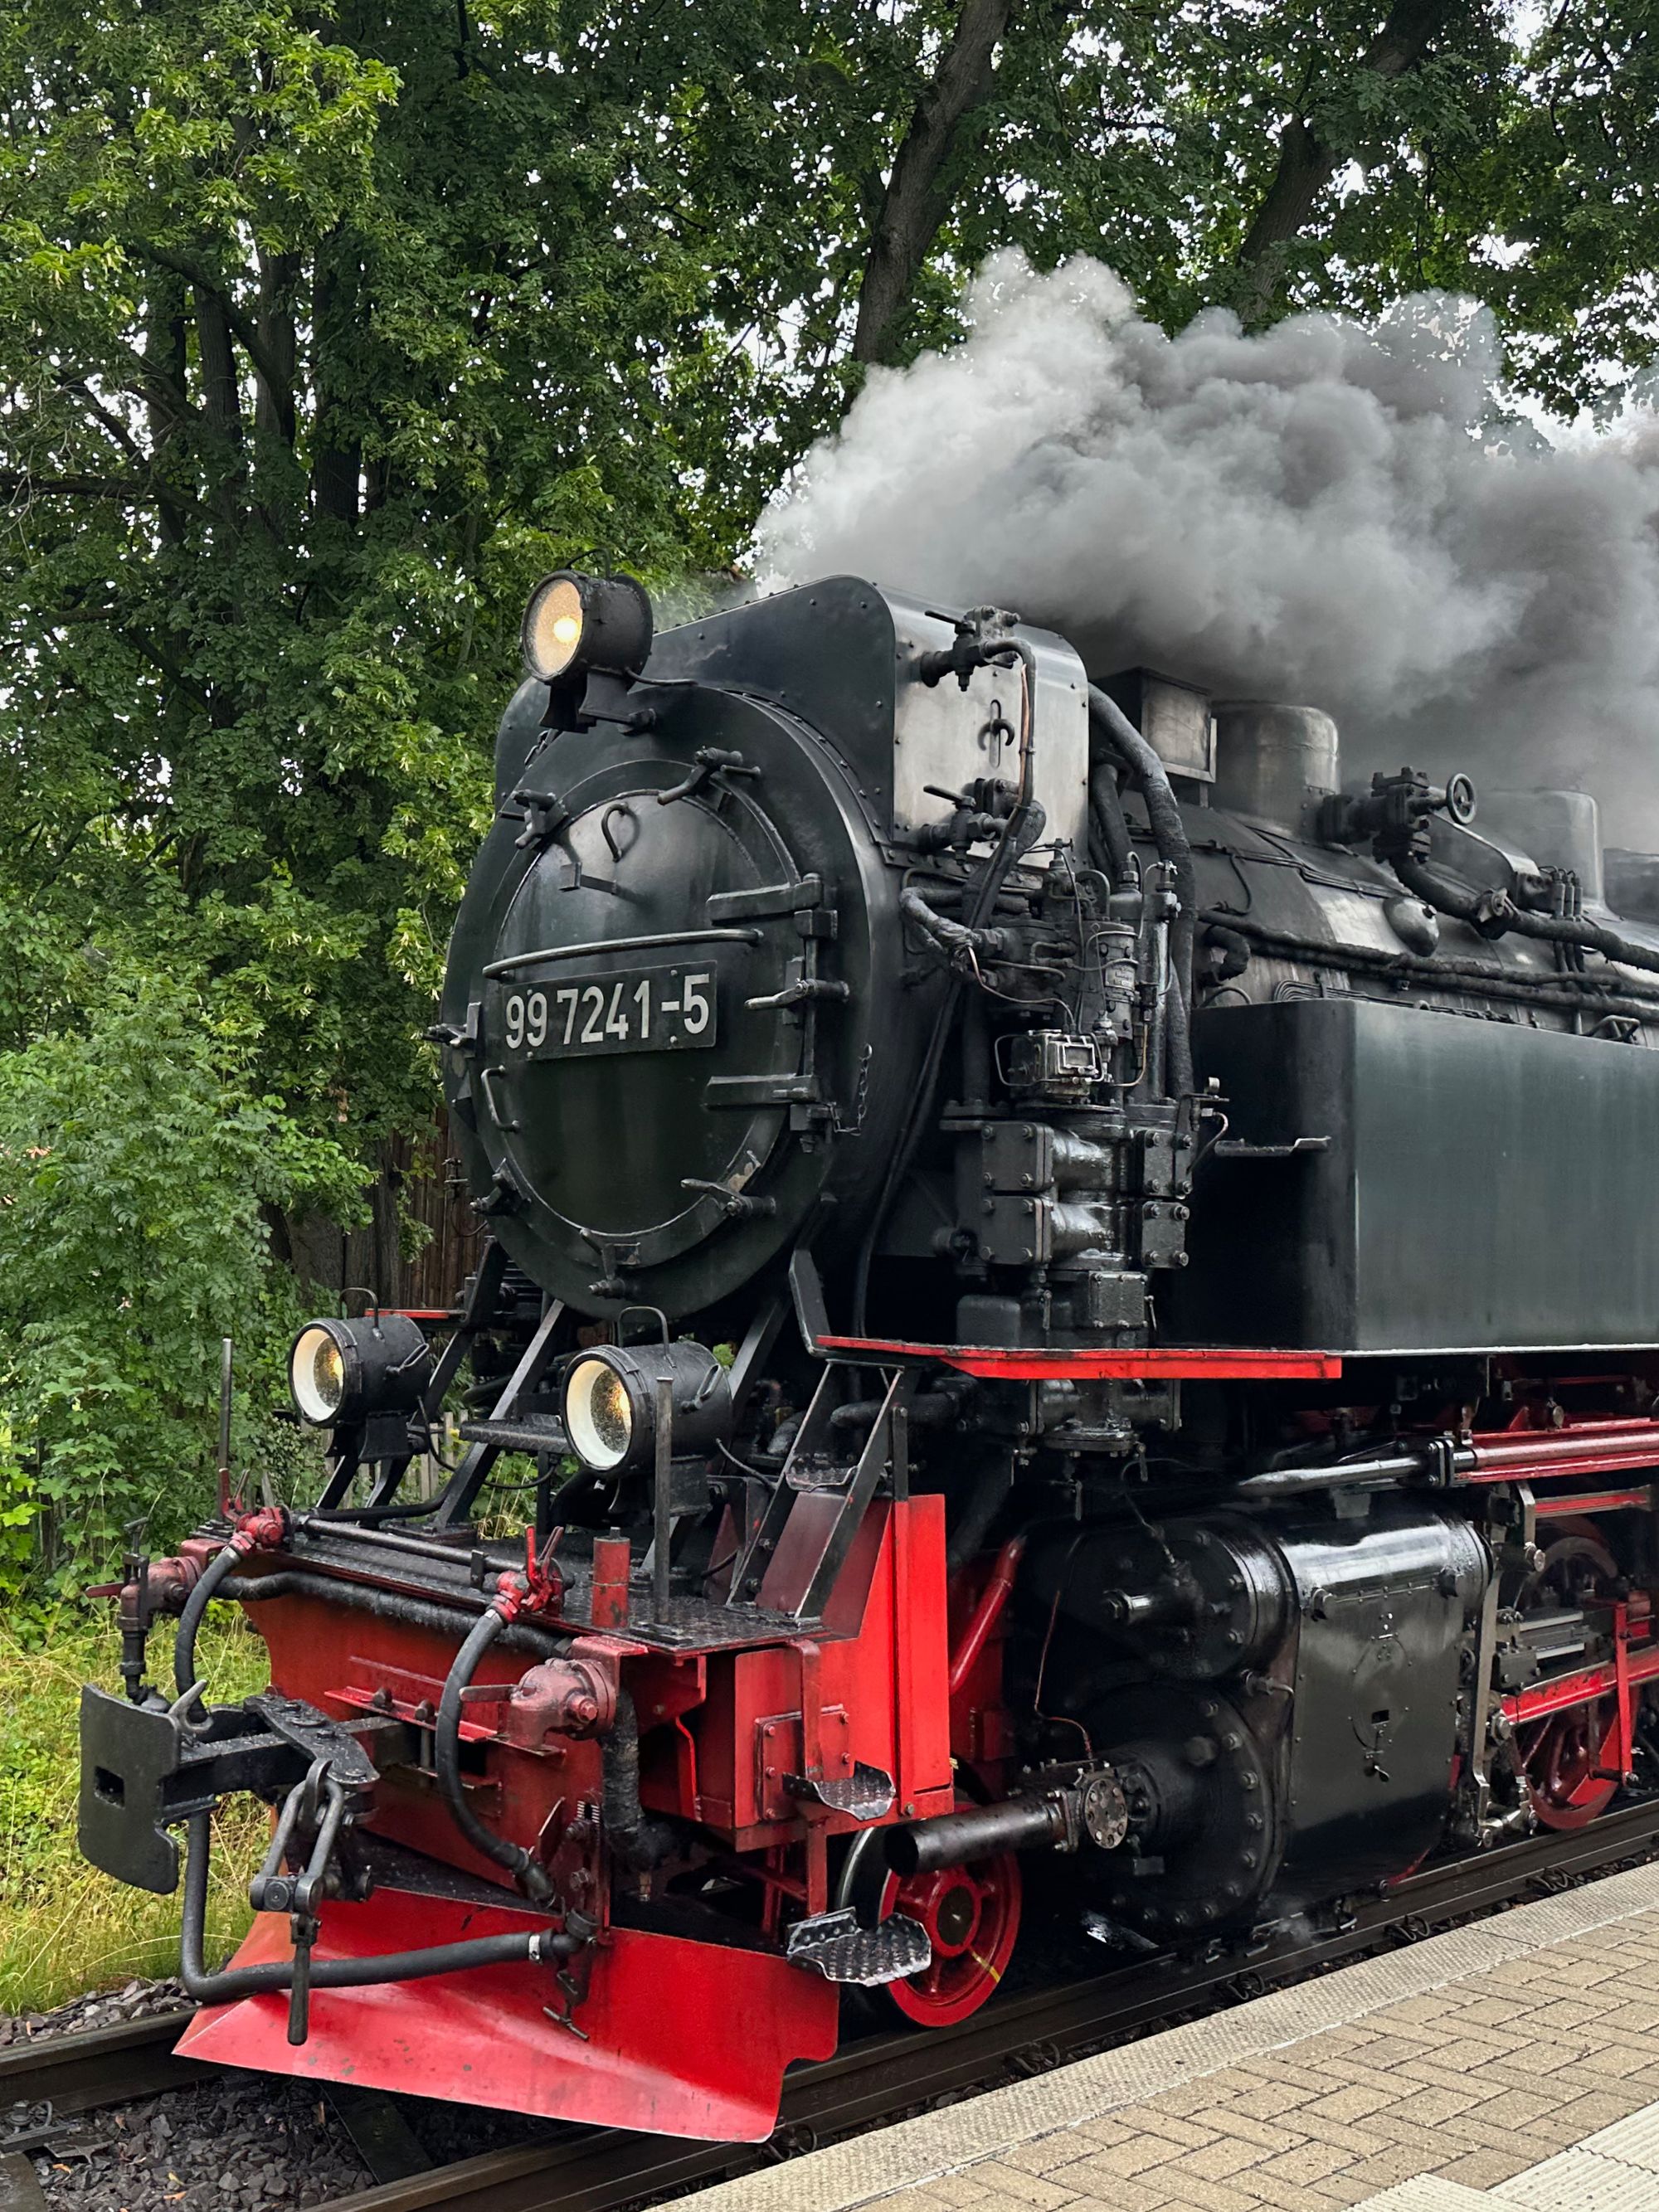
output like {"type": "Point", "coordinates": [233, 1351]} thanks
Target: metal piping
{"type": "Point", "coordinates": [1577, 994]}
{"type": "Point", "coordinates": [1106, 815]}
{"type": "Point", "coordinates": [1493, 912]}
{"type": "Point", "coordinates": [1020, 833]}
{"type": "Point", "coordinates": [333, 1974]}
{"type": "Point", "coordinates": [1169, 835]}
{"type": "Point", "coordinates": [1518, 1455]}
{"type": "Point", "coordinates": [954, 1839]}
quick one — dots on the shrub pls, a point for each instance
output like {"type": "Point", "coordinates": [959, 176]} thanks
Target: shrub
{"type": "Point", "coordinates": [136, 1160]}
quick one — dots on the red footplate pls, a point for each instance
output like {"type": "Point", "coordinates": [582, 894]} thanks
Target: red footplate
{"type": "Point", "coordinates": [683, 2039]}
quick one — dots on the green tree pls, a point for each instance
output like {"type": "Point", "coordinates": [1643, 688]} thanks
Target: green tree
{"type": "Point", "coordinates": [327, 326]}
{"type": "Point", "coordinates": [134, 1162]}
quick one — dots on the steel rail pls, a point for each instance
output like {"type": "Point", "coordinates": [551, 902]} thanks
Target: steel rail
{"type": "Point", "coordinates": [94, 2066]}
{"type": "Point", "coordinates": [604, 2170]}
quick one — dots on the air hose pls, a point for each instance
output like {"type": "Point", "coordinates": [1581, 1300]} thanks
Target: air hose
{"type": "Point", "coordinates": [264, 1531]}
{"type": "Point", "coordinates": [525, 1867]}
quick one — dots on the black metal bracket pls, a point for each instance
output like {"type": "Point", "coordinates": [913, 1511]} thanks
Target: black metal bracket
{"type": "Point", "coordinates": [144, 1770]}
{"type": "Point", "coordinates": [452, 1509]}
{"type": "Point", "coordinates": [711, 762]}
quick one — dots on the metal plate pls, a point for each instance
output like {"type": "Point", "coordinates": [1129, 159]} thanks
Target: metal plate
{"type": "Point", "coordinates": [1487, 1186]}
{"type": "Point", "coordinates": [947, 737]}
{"type": "Point", "coordinates": [566, 1017]}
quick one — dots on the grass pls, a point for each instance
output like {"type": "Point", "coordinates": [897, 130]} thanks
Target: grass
{"type": "Point", "coordinates": [65, 1928]}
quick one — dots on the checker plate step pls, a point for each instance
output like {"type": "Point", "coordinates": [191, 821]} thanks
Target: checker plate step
{"type": "Point", "coordinates": [834, 1944]}
{"type": "Point", "coordinates": [866, 1793]}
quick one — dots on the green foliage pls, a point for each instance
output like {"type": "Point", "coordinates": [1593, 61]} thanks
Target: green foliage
{"type": "Point", "coordinates": [135, 1160]}
{"type": "Point", "coordinates": [327, 326]}
{"type": "Point", "coordinates": [64, 1927]}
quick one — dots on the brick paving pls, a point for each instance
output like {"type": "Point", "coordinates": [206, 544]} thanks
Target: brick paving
{"type": "Point", "coordinates": [1507, 2067]}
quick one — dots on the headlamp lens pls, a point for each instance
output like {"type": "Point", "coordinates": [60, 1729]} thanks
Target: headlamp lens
{"type": "Point", "coordinates": [598, 1417]}
{"type": "Point", "coordinates": [317, 1374]}
{"type": "Point", "coordinates": [553, 627]}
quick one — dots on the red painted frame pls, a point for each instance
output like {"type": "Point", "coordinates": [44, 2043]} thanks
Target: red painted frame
{"type": "Point", "coordinates": [1172, 1362]}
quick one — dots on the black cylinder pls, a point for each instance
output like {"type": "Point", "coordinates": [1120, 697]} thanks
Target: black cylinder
{"type": "Point", "coordinates": [955, 1839]}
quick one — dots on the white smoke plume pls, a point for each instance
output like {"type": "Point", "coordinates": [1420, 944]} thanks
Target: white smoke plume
{"type": "Point", "coordinates": [1321, 513]}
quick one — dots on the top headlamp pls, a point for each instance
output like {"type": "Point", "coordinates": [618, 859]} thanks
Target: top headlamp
{"type": "Point", "coordinates": [575, 623]}
{"type": "Point", "coordinates": [346, 1370]}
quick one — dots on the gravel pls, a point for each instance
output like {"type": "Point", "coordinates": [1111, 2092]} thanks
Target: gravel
{"type": "Point", "coordinates": [238, 2143]}
{"type": "Point", "coordinates": [102, 2008]}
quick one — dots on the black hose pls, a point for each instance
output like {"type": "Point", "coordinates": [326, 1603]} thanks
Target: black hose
{"type": "Point", "coordinates": [190, 1620]}
{"type": "Point", "coordinates": [1020, 833]}
{"type": "Point", "coordinates": [1111, 828]}
{"type": "Point", "coordinates": [637, 1841]}
{"type": "Point", "coordinates": [1169, 835]}
{"type": "Point", "coordinates": [525, 1869]}
{"type": "Point", "coordinates": [331, 1974]}
{"type": "Point", "coordinates": [384, 1605]}
{"type": "Point", "coordinates": [1494, 914]}
{"type": "Point", "coordinates": [1234, 948]}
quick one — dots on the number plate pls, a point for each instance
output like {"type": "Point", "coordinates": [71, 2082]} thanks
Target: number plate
{"type": "Point", "coordinates": [629, 1010]}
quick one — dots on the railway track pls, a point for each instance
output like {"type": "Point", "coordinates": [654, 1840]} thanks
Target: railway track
{"type": "Point", "coordinates": [604, 2170]}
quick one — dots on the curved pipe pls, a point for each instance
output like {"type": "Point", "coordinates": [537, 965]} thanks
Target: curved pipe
{"type": "Point", "coordinates": [1234, 948]}
{"type": "Point", "coordinates": [1020, 833]}
{"type": "Point", "coordinates": [525, 1869]}
{"type": "Point", "coordinates": [332, 1973]}
{"type": "Point", "coordinates": [1492, 916]}
{"type": "Point", "coordinates": [196, 1606]}
{"type": "Point", "coordinates": [1169, 835]}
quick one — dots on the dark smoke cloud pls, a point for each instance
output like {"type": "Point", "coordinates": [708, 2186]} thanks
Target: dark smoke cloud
{"type": "Point", "coordinates": [1322, 511]}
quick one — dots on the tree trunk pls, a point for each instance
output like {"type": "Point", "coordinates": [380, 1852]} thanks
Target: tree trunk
{"type": "Point", "coordinates": [337, 456]}
{"type": "Point", "coordinates": [222, 401]}
{"type": "Point", "coordinates": [1307, 160]}
{"type": "Point", "coordinates": [273, 410]}
{"type": "Point", "coordinates": [917, 200]}
{"type": "Point", "coordinates": [166, 401]}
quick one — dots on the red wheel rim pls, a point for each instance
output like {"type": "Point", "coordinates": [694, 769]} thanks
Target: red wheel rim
{"type": "Point", "coordinates": [1570, 1762]}
{"type": "Point", "coordinates": [1569, 1759]}
{"type": "Point", "coordinates": [971, 1914]}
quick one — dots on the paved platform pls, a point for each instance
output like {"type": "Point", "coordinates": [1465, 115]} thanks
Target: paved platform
{"type": "Point", "coordinates": [1512, 2066]}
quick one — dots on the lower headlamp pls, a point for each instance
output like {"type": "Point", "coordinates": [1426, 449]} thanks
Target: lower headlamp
{"type": "Point", "coordinates": [610, 1400]}
{"type": "Point", "coordinates": [346, 1370]}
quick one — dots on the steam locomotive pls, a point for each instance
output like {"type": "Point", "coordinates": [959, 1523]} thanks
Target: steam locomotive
{"type": "Point", "coordinates": [1064, 1290]}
